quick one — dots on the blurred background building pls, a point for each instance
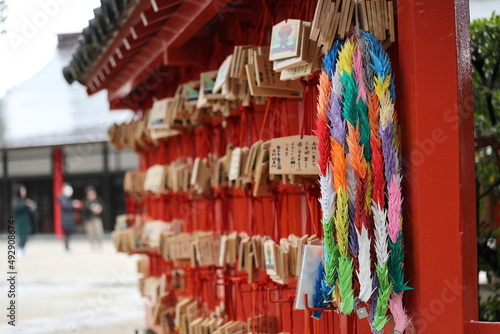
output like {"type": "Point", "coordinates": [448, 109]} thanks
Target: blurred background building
{"type": "Point", "coordinates": [43, 120]}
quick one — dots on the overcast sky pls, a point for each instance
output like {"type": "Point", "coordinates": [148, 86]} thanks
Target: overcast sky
{"type": "Point", "coordinates": [32, 27]}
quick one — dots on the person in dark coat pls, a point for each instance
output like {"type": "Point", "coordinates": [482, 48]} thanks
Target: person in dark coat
{"type": "Point", "coordinates": [22, 209]}
{"type": "Point", "coordinates": [92, 210]}
{"type": "Point", "coordinates": [68, 206]}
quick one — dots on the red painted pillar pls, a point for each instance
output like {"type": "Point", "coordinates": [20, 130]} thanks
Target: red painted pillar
{"type": "Point", "coordinates": [433, 78]}
{"type": "Point", "coordinates": [57, 181]}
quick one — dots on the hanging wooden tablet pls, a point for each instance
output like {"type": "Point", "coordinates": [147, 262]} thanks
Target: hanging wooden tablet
{"type": "Point", "coordinates": [222, 75]}
{"type": "Point", "coordinates": [294, 155]}
{"type": "Point", "coordinates": [155, 179]}
{"type": "Point", "coordinates": [206, 95]}
{"type": "Point", "coordinates": [285, 39]}
{"type": "Point", "coordinates": [261, 185]}
{"type": "Point", "coordinates": [303, 57]}
{"type": "Point", "coordinates": [266, 77]}
{"type": "Point", "coordinates": [255, 90]}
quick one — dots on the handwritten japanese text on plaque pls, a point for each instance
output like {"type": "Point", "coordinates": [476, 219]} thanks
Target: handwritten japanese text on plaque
{"type": "Point", "coordinates": [294, 155]}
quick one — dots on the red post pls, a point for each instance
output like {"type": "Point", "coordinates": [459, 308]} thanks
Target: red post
{"type": "Point", "coordinates": [436, 112]}
{"type": "Point", "coordinates": [57, 181]}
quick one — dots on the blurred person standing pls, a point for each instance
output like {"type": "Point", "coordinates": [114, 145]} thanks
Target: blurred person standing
{"type": "Point", "coordinates": [68, 206]}
{"type": "Point", "coordinates": [92, 209]}
{"type": "Point", "coordinates": [22, 210]}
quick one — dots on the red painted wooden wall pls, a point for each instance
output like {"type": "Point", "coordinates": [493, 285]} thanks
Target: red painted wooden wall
{"type": "Point", "coordinates": [432, 67]}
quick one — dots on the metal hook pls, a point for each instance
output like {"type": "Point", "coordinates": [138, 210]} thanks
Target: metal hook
{"type": "Point", "coordinates": [312, 309]}
{"type": "Point", "coordinates": [277, 301]}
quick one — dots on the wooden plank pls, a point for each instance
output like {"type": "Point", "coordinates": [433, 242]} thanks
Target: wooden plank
{"type": "Point", "coordinates": [392, 32]}
{"type": "Point", "coordinates": [316, 20]}
{"type": "Point", "coordinates": [322, 23]}
{"type": "Point", "coordinates": [343, 22]}
{"type": "Point", "coordinates": [336, 11]}
{"type": "Point", "coordinates": [364, 18]}
{"type": "Point", "coordinates": [336, 21]}
{"type": "Point", "coordinates": [381, 16]}
{"type": "Point", "coordinates": [374, 18]}
{"type": "Point", "coordinates": [329, 31]}
{"type": "Point", "coordinates": [378, 17]}
{"type": "Point", "coordinates": [341, 17]}
{"type": "Point", "coordinates": [349, 19]}
{"type": "Point", "coordinates": [332, 27]}
{"type": "Point", "coordinates": [386, 14]}
{"type": "Point", "coordinates": [370, 17]}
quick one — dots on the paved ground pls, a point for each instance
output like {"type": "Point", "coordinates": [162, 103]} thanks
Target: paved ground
{"type": "Point", "coordinates": [85, 291]}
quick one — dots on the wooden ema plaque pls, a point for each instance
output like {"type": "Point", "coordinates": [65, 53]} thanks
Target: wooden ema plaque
{"type": "Point", "coordinates": [294, 155]}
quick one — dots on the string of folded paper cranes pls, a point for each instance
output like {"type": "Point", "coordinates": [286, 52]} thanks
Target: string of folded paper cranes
{"type": "Point", "coordinates": [360, 178]}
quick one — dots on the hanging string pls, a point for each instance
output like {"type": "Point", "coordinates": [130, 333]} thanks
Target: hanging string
{"type": "Point", "coordinates": [303, 10]}
{"type": "Point", "coordinates": [233, 125]}
{"type": "Point", "coordinates": [222, 141]}
{"type": "Point", "coordinates": [276, 199]}
{"type": "Point", "coordinates": [314, 100]}
{"type": "Point", "coordinates": [217, 56]}
{"type": "Point", "coordinates": [243, 124]}
{"type": "Point", "coordinates": [266, 116]}
{"type": "Point", "coordinates": [230, 302]}
{"type": "Point", "coordinates": [285, 223]}
{"type": "Point", "coordinates": [264, 302]}
{"type": "Point", "coordinates": [261, 28]}
{"type": "Point", "coordinates": [284, 118]}
{"type": "Point", "coordinates": [213, 289]}
{"type": "Point", "coordinates": [290, 10]}
{"type": "Point", "coordinates": [226, 212]}
{"type": "Point", "coordinates": [291, 299]}
{"type": "Point", "coordinates": [213, 211]}
{"type": "Point", "coordinates": [305, 99]}
{"type": "Point", "coordinates": [276, 121]}
{"type": "Point", "coordinates": [255, 131]}
{"type": "Point", "coordinates": [270, 8]}
{"type": "Point", "coordinates": [252, 133]}
{"type": "Point", "coordinates": [243, 304]}
{"type": "Point", "coordinates": [206, 139]}
{"type": "Point", "coordinates": [307, 11]}
{"type": "Point", "coordinates": [250, 210]}
{"type": "Point", "coordinates": [241, 28]}
{"type": "Point", "coordinates": [254, 304]}
{"type": "Point", "coordinates": [356, 11]}
{"type": "Point", "coordinates": [308, 105]}
{"type": "Point", "coordinates": [310, 221]}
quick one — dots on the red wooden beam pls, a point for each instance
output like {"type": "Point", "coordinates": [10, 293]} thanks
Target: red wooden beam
{"type": "Point", "coordinates": [436, 112]}
{"type": "Point", "coordinates": [140, 33]}
{"type": "Point", "coordinates": [189, 18]}
{"type": "Point", "coordinates": [158, 5]}
{"type": "Point", "coordinates": [135, 44]}
{"type": "Point", "coordinates": [151, 16]}
{"type": "Point", "coordinates": [476, 327]}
